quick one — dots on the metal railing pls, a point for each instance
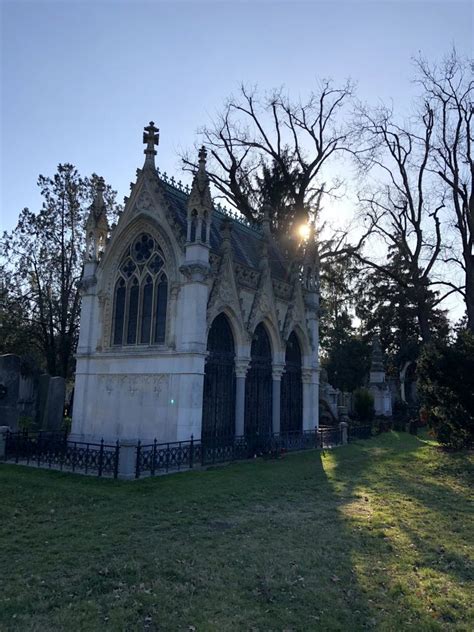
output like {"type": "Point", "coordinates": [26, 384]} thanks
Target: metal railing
{"type": "Point", "coordinates": [158, 458]}
{"type": "Point", "coordinates": [55, 451]}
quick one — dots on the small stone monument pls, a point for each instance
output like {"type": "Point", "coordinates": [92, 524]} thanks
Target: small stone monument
{"type": "Point", "coordinates": [377, 385]}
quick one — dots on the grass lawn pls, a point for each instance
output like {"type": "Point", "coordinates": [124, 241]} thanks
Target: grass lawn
{"type": "Point", "coordinates": [376, 535]}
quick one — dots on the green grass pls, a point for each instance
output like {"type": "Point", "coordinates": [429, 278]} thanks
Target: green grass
{"type": "Point", "coordinates": [375, 535]}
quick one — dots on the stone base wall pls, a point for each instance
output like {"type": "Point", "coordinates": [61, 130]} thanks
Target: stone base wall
{"type": "Point", "coordinates": [139, 398]}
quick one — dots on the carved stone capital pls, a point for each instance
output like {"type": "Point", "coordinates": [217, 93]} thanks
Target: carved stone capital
{"type": "Point", "coordinates": [196, 272]}
{"type": "Point", "coordinates": [277, 371]}
{"type": "Point", "coordinates": [306, 375]}
{"type": "Point", "coordinates": [241, 367]}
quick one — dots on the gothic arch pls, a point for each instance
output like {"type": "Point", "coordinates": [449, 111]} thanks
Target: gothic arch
{"type": "Point", "coordinates": [274, 337]}
{"type": "Point", "coordinates": [239, 332]}
{"type": "Point", "coordinates": [258, 385]}
{"type": "Point", "coordinates": [109, 266]}
{"type": "Point", "coordinates": [218, 416]}
{"type": "Point", "coordinates": [304, 342]}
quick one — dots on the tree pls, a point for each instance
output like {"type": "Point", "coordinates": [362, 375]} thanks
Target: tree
{"type": "Point", "coordinates": [15, 334]}
{"type": "Point", "coordinates": [272, 152]}
{"type": "Point", "coordinates": [43, 260]}
{"type": "Point", "coordinates": [449, 93]}
{"type": "Point", "coordinates": [446, 386]}
{"type": "Point", "coordinates": [402, 206]}
{"type": "Point", "coordinates": [345, 354]}
{"type": "Point", "coordinates": [386, 305]}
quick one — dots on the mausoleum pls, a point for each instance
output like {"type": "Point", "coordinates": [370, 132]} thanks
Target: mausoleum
{"type": "Point", "coordinates": [193, 321]}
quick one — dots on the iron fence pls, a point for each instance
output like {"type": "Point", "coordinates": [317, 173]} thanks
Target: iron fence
{"type": "Point", "coordinates": [157, 458]}
{"type": "Point", "coordinates": [55, 451]}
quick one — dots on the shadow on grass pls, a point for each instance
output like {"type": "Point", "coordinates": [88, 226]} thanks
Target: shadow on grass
{"type": "Point", "coordinates": [316, 541]}
{"type": "Point", "coordinates": [249, 546]}
{"type": "Point", "coordinates": [414, 533]}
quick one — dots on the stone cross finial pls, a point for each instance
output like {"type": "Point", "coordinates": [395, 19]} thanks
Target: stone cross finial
{"type": "Point", "coordinates": [98, 203]}
{"type": "Point", "coordinates": [151, 137]}
{"type": "Point", "coordinates": [202, 155]}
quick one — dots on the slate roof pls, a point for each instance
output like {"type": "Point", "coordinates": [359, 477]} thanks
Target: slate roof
{"type": "Point", "coordinates": [246, 239]}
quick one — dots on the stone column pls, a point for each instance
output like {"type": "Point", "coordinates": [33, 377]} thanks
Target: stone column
{"type": "Point", "coordinates": [241, 368]}
{"type": "Point", "coordinates": [277, 372]}
{"type": "Point", "coordinates": [343, 426]}
{"type": "Point", "coordinates": [308, 422]}
{"type": "Point", "coordinates": [127, 459]}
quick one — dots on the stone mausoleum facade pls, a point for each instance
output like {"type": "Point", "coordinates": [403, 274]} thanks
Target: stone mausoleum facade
{"type": "Point", "coordinates": [192, 320]}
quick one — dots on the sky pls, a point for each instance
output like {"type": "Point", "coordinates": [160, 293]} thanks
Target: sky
{"type": "Point", "coordinates": [79, 80]}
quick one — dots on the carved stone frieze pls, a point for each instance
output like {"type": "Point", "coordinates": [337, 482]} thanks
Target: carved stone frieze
{"type": "Point", "coordinates": [282, 290]}
{"type": "Point", "coordinates": [132, 384]}
{"type": "Point", "coordinates": [247, 277]}
{"type": "Point", "coordinates": [145, 201]}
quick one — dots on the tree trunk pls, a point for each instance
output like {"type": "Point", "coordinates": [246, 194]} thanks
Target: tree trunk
{"type": "Point", "coordinates": [469, 261]}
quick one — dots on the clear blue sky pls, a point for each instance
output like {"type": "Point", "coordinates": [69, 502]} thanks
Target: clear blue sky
{"type": "Point", "coordinates": [80, 79]}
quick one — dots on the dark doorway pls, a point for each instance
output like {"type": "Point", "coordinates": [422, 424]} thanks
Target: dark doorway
{"type": "Point", "coordinates": [258, 386]}
{"type": "Point", "coordinates": [291, 416]}
{"type": "Point", "coordinates": [218, 415]}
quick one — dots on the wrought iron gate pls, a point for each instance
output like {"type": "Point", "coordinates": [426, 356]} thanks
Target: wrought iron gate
{"type": "Point", "coordinates": [219, 383]}
{"type": "Point", "coordinates": [291, 416]}
{"type": "Point", "coordinates": [258, 386]}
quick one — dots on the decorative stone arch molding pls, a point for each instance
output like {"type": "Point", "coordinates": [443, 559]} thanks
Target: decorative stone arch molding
{"type": "Point", "coordinates": [241, 337]}
{"type": "Point", "coordinates": [278, 350]}
{"type": "Point", "coordinates": [109, 267]}
{"type": "Point", "coordinates": [304, 341]}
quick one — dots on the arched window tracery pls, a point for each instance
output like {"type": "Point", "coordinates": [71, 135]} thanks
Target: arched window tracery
{"type": "Point", "coordinates": [141, 295]}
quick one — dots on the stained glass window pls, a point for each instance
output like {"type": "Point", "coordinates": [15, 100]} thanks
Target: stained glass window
{"type": "Point", "coordinates": [161, 302]}
{"type": "Point", "coordinates": [147, 307]}
{"type": "Point", "coordinates": [119, 311]}
{"type": "Point", "coordinates": [141, 295]}
{"type": "Point", "coordinates": [132, 313]}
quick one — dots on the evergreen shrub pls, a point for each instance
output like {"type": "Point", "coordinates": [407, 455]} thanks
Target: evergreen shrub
{"type": "Point", "coordinates": [446, 386]}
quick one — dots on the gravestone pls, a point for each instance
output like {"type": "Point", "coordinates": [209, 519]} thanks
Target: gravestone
{"type": "Point", "coordinates": [9, 390]}
{"type": "Point", "coordinates": [54, 408]}
{"type": "Point", "coordinates": [43, 388]}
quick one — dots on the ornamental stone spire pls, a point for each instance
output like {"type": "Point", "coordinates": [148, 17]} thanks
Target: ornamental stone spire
{"type": "Point", "coordinates": [151, 137]}
{"type": "Point", "coordinates": [311, 262]}
{"type": "Point", "coordinates": [200, 203]}
{"type": "Point", "coordinates": [377, 355]}
{"type": "Point", "coordinates": [97, 226]}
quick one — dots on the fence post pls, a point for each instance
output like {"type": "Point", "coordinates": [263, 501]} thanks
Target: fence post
{"type": "Point", "coordinates": [191, 452]}
{"type": "Point", "coordinates": [101, 458]}
{"type": "Point", "coordinates": [137, 462]}
{"type": "Point", "coordinates": [343, 426]}
{"type": "Point", "coordinates": [153, 458]}
{"type": "Point", "coordinates": [3, 442]}
{"type": "Point", "coordinates": [127, 462]}
{"type": "Point", "coordinates": [117, 457]}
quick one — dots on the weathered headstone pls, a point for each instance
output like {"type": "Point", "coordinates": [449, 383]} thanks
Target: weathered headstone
{"type": "Point", "coordinates": [43, 387]}
{"type": "Point", "coordinates": [54, 409]}
{"type": "Point", "coordinates": [9, 390]}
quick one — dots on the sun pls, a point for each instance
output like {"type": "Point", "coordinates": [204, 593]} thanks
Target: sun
{"type": "Point", "coordinates": [304, 231]}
